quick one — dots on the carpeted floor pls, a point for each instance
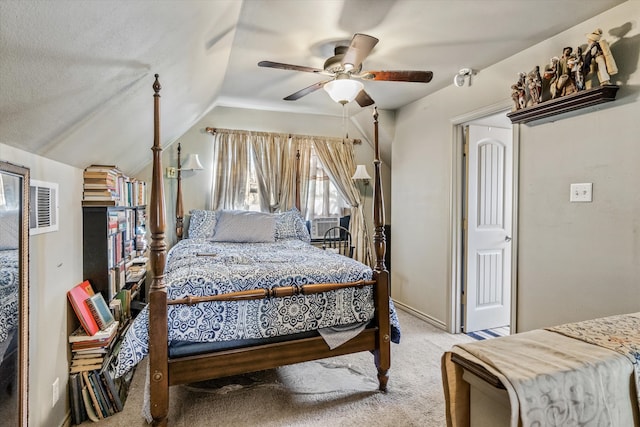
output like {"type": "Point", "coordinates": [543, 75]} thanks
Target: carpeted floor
{"type": "Point", "coordinates": [341, 391]}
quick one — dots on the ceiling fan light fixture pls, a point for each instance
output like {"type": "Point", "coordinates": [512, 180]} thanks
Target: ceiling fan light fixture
{"type": "Point", "coordinates": [343, 91]}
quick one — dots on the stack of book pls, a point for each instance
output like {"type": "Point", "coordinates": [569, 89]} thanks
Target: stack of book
{"type": "Point", "coordinates": [101, 185]}
{"type": "Point", "coordinates": [88, 351]}
{"type": "Point", "coordinates": [94, 392]}
{"type": "Point", "coordinates": [106, 185]}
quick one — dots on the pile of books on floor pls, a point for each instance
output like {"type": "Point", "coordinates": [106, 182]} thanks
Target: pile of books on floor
{"type": "Point", "coordinates": [94, 393]}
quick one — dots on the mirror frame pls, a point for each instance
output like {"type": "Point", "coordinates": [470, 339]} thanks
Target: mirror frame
{"type": "Point", "coordinates": [23, 300]}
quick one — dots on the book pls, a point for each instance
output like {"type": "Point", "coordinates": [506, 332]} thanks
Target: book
{"type": "Point", "coordinates": [78, 296]}
{"type": "Point", "coordinates": [100, 202]}
{"type": "Point", "coordinates": [99, 397]}
{"type": "Point", "coordinates": [94, 400]}
{"type": "Point", "coordinates": [99, 174]}
{"type": "Point", "coordinates": [102, 168]}
{"type": "Point", "coordinates": [80, 335]}
{"type": "Point", "coordinates": [103, 343]}
{"type": "Point", "coordinates": [103, 396]}
{"type": "Point", "coordinates": [85, 368]}
{"type": "Point", "coordinates": [100, 310]}
{"type": "Point", "coordinates": [112, 390]}
{"type": "Point", "coordinates": [88, 352]}
{"type": "Point", "coordinates": [100, 192]}
{"type": "Point", "coordinates": [75, 399]}
{"type": "Point", "coordinates": [83, 361]}
{"type": "Point", "coordinates": [88, 405]}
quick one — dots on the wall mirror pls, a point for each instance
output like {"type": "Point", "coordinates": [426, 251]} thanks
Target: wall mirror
{"type": "Point", "coordinates": [14, 293]}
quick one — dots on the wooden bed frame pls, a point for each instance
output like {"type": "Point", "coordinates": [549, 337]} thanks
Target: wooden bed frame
{"type": "Point", "coordinates": [165, 372]}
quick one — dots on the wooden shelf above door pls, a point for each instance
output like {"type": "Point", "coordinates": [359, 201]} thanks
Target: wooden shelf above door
{"type": "Point", "coordinates": [565, 104]}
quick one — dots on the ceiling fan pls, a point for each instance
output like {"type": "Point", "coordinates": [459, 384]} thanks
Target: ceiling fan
{"type": "Point", "coordinates": [345, 68]}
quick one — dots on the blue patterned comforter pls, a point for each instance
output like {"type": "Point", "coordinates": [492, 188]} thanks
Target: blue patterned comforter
{"type": "Point", "coordinates": [199, 267]}
{"type": "Point", "coordinates": [9, 282]}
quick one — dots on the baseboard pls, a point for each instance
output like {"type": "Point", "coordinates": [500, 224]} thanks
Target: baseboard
{"type": "Point", "coordinates": [67, 420]}
{"type": "Point", "coordinates": [432, 321]}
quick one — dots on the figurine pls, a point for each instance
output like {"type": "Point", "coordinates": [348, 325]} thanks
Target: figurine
{"type": "Point", "coordinates": [549, 79]}
{"type": "Point", "coordinates": [598, 51]}
{"type": "Point", "coordinates": [575, 64]}
{"type": "Point", "coordinates": [522, 90]}
{"type": "Point", "coordinates": [565, 84]}
{"type": "Point", "coordinates": [534, 86]}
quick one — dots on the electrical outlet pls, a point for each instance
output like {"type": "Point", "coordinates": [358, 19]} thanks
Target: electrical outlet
{"type": "Point", "coordinates": [581, 192]}
{"type": "Point", "coordinates": [55, 392]}
{"type": "Point", "coordinates": [172, 172]}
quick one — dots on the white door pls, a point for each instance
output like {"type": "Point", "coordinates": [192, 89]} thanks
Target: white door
{"type": "Point", "coordinates": [487, 287]}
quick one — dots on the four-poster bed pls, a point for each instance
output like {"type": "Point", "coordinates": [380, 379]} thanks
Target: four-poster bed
{"type": "Point", "coordinates": [360, 282]}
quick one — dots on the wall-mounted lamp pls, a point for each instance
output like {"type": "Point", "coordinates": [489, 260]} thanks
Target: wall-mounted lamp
{"type": "Point", "coordinates": [462, 75]}
{"type": "Point", "coordinates": [361, 174]}
{"type": "Point", "coordinates": [343, 90]}
{"type": "Point", "coordinates": [192, 164]}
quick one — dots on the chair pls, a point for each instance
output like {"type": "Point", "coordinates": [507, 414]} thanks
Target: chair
{"type": "Point", "coordinates": [338, 240]}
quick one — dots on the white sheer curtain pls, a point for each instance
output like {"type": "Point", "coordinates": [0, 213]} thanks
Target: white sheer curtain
{"type": "Point", "coordinates": [337, 158]}
{"type": "Point", "coordinates": [276, 157]}
{"type": "Point", "coordinates": [269, 152]}
{"type": "Point", "coordinates": [230, 168]}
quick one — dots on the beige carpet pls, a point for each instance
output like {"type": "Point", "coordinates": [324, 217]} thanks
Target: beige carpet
{"type": "Point", "coordinates": [334, 392]}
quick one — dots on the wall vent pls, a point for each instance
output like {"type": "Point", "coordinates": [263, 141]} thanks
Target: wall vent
{"type": "Point", "coordinates": [43, 207]}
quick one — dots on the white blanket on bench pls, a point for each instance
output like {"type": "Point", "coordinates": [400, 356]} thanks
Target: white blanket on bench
{"type": "Point", "coordinates": [551, 380]}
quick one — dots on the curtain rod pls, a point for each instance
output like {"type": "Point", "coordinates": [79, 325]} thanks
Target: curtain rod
{"type": "Point", "coordinates": [212, 131]}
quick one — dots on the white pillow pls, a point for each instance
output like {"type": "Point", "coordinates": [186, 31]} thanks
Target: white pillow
{"type": "Point", "coordinates": [290, 225]}
{"type": "Point", "coordinates": [202, 223]}
{"type": "Point", "coordinates": [9, 226]}
{"type": "Point", "coordinates": [244, 227]}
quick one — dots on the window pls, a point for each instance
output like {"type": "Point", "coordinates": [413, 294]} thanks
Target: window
{"type": "Point", "coordinates": [324, 200]}
{"type": "Point", "coordinates": [252, 192]}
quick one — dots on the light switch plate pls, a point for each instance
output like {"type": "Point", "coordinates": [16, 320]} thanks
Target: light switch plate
{"type": "Point", "coordinates": [581, 192]}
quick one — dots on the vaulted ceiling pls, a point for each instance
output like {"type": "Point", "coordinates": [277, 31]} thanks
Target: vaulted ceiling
{"type": "Point", "coordinates": [76, 76]}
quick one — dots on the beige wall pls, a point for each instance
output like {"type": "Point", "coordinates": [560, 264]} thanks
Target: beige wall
{"type": "Point", "coordinates": [55, 265]}
{"type": "Point", "coordinates": [196, 185]}
{"type": "Point", "coordinates": [576, 261]}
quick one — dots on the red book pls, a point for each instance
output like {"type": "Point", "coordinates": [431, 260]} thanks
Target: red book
{"type": "Point", "coordinates": [78, 298]}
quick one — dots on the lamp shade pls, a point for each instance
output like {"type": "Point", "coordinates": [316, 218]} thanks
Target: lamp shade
{"type": "Point", "coordinates": [343, 90]}
{"type": "Point", "coordinates": [361, 173]}
{"type": "Point", "coordinates": [192, 163]}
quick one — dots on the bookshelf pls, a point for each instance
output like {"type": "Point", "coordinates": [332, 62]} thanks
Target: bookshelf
{"type": "Point", "coordinates": [113, 252]}
{"type": "Point", "coordinates": [115, 266]}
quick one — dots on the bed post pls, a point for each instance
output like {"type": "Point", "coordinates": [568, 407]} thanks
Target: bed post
{"type": "Point", "coordinates": [158, 367]}
{"type": "Point", "coordinates": [179, 208]}
{"type": "Point", "coordinates": [380, 273]}
{"type": "Point", "coordinates": [298, 190]}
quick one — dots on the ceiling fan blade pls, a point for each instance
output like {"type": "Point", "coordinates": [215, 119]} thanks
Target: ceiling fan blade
{"type": "Point", "coordinates": [281, 66]}
{"type": "Point", "coordinates": [398, 76]}
{"type": "Point", "coordinates": [363, 99]}
{"type": "Point", "coordinates": [360, 47]}
{"type": "Point", "coordinates": [306, 91]}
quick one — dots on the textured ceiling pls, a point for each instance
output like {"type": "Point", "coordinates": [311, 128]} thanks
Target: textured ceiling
{"type": "Point", "coordinates": [75, 77]}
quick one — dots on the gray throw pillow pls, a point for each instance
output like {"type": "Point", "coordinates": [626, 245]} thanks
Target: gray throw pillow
{"type": "Point", "coordinates": [245, 227]}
